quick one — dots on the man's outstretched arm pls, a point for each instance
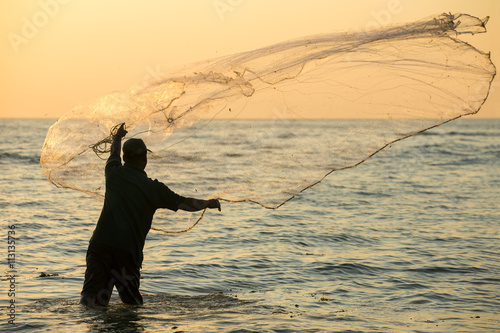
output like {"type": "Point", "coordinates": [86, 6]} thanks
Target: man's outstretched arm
{"type": "Point", "coordinates": [193, 205]}
{"type": "Point", "coordinates": [116, 146]}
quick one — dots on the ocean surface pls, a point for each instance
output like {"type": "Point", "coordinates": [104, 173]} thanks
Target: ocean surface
{"type": "Point", "coordinates": [406, 242]}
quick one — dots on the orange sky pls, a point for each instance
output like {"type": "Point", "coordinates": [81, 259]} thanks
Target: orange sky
{"type": "Point", "coordinates": [56, 54]}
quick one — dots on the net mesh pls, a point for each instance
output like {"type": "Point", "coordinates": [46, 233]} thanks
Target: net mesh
{"type": "Point", "coordinates": [264, 125]}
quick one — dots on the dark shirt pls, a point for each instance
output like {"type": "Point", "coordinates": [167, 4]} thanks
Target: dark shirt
{"type": "Point", "coordinates": [130, 202]}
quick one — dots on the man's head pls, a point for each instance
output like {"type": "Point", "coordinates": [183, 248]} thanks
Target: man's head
{"type": "Point", "coordinates": [135, 152]}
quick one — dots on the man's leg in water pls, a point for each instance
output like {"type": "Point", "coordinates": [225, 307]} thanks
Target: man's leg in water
{"type": "Point", "coordinates": [98, 284]}
{"type": "Point", "coordinates": [127, 277]}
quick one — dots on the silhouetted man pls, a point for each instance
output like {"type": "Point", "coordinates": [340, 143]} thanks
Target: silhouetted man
{"type": "Point", "coordinates": [114, 255]}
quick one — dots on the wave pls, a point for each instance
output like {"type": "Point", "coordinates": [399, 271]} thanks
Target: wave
{"type": "Point", "coordinates": [158, 311]}
{"type": "Point", "coordinates": [348, 269]}
{"type": "Point", "coordinates": [459, 133]}
{"type": "Point", "coordinates": [16, 157]}
{"type": "Point", "coordinates": [449, 269]}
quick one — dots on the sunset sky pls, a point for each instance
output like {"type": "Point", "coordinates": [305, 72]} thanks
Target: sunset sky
{"type": "Point", "coordinates": [56, 54]}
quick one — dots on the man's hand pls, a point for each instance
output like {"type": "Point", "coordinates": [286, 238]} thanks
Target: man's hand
{"type": "Point", "coordinates": [213, 203]}
{"type": "Point", "coordinates": [194, 205]}
{"type": "Point", "coordinates": [116, 145]}
{"type": "Point", "coordinates": [121, 132]}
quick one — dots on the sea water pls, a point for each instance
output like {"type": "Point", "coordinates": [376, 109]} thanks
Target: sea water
{"type": "Point", "coordinates": [406, 242]}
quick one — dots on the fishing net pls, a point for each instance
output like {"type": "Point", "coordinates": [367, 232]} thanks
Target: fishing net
{"type": "Point", "coordinates": [264, 125]}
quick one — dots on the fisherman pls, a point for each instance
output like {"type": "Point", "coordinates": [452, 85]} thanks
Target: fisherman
{"type": "Point", "coordinates": [114, 255]}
